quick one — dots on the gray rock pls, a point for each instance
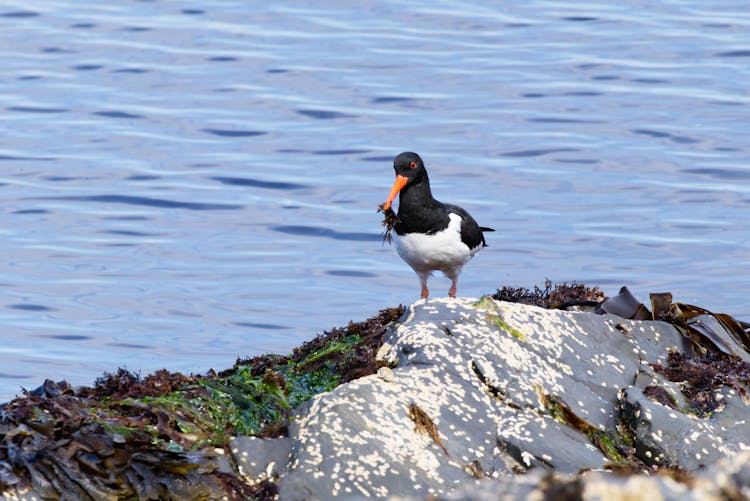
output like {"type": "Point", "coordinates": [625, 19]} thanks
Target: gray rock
{"type": "Point", "coordinates": [260, 458]}
{"type": "Point", "coordinates": [522, 487]}
{"type": "Point", "coordinates": [728, 479]}
{"type": "Point", "coordinates": [479, 371]}
{"type": "Point", "coordinates": [666, 436]}
{"type": "Point", "coordinates": [360, 439]}
{"type": "Point", "coordinates": [596, 486]}
{"type": "Point", "coordinates": [732, 420]}
{"type": "Point", "coordinates": [536, 440]}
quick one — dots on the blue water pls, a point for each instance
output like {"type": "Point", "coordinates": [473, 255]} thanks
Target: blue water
{"type": "Point", "coordinates": [183, 183]}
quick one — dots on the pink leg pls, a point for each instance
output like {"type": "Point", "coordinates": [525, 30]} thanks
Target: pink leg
{"type": "Point", "coordinates": [425, 292]}
{"type": "Point", "coordinates": [452, 290]}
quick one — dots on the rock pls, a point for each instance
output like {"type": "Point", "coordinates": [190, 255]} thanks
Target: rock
{"type": "Point", "coordinates": [483, 374]}
{"type": "Point", "coordinates": [491, 400]}
{"type": "Point", "coordinates": [260, 458]}
{"type": "Point", "coordinates": [728, 479]}
{"type": "Point", "coordinates": [362, 441]}
{"type": "Point", "coordinates": [664, 436]}
{"type": "Point", "coordinates": [675, 436]}
{"type": "Point", "coordinates": [535, 440]}
{"type": "Point", "coordinates": [521, 487]}
{"type": "Point", "coordinates": [596, 486]}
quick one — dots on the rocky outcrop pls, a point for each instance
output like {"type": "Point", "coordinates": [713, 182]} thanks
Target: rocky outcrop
{"type": "Point", "coordinates": [483, 389]}
{"type": "Point", "coordinates": [473, 399]}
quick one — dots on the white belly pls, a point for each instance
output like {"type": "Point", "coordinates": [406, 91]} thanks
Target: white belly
{"type": "Point", "coordinates": [442, 251]}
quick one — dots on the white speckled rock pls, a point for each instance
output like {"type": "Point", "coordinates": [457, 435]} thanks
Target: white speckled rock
{"type": "Point", "coordinates": [535, 440]}
{"type": "Point", "coordinates": [477, 369]}
{"type": "Point", "coordinates": [727, 479]}
{"type": "Point", "coordinates": [667, 436]}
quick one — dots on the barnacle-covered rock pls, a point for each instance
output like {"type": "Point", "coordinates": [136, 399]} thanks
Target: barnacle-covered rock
{"type": "Point", "coordinates": [501, 389]}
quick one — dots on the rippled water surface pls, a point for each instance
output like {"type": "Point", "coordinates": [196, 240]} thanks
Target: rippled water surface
{"type": "Point", "coordinates": [183, 183]}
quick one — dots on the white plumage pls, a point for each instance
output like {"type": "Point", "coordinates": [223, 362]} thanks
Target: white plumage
{"type": "Point", "coordinates": [442, 251]}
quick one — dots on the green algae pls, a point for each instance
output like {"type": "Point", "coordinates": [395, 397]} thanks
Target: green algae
{"type": "Point", "coordinates": [486, 303]}
{"type": "Point", "coordinates": [252, 404]}
{"type": "Point", "coordinates": [498, 321]}
{"type": "Point", "coordinates": [333, 348]}
{"type": "Point", "coordinates": [305, 386]}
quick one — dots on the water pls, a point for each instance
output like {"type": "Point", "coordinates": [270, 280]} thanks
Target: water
{"type": "Point", "coordinates": [183, 183]}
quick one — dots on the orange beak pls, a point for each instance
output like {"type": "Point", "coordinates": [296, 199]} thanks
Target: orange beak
{"type": "Point", "coordinates": [397, 186]}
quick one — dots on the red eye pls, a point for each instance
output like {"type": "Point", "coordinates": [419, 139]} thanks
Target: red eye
{"type": "Point", "coordinates": [413, 165]}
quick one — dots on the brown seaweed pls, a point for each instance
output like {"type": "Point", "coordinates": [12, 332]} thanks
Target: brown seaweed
{"type": "Point", "coordinates": [389, 221]}
{"type": "Point", "coordinates": [424, 424]}
{"type": "Point", "coordinates": [726, 335]}
{"type": "Point", "coordinates": [661, 395]}
{"type": "Point", "coordinates": [559, 296]}
{"type": "Point", "coordinates": [625, 305]}
{"type": "Point", "coordinates": [703, 375]}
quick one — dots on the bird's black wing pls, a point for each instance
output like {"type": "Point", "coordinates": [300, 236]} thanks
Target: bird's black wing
{"type": "Point", "coordinates": [427, 220]}
{"type": "Point", "coordinates": [471, 233]}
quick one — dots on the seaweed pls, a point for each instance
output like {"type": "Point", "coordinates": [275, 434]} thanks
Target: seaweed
{"type": "Point", "coordinates": [60, 445]}
{"type": "Point", "coordinates": [124, 384]}
{"type": "Point", "coordinates": [660, 395]}
{"type": "Point", "coordinates": [609, 443]}
{"type": "Point", "coordinates": [703, 375]}
{"type": "Point", "coordinates": [349, 351]}
{"type": "Point", "coordinates": [390, 219]}
{"type": "Point", "coordinates": [156, 437]}
{"type": "Point", "coordinates": [560, 296]}
{"type": "Point", "coordinates": [424, 424]}
{"type": "Point", "coordinates": [704, 331]}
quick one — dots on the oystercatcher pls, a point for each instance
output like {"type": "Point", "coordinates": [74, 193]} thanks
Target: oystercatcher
{"type": "Point", "coordinates": [430, 235]}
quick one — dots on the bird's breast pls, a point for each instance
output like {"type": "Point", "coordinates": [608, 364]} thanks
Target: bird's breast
{"type": "Point", "coordinates": [435, 251]}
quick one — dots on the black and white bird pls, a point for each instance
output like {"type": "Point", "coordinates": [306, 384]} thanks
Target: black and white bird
{"type": "Point", "coordinates": [430, 235]}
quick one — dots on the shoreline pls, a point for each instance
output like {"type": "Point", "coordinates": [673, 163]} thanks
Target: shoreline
{"type": "Point", "coordinates": [167, 432]}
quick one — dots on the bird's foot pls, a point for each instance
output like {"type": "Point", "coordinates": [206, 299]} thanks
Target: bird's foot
{"type": "Point", "coordinates": [425, 292]}
{"type": "Point", "coordinates": [452, 291]}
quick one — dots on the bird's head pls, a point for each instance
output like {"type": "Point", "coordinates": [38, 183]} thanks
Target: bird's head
{"type": "Point", "coordinates": [409, 169]}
